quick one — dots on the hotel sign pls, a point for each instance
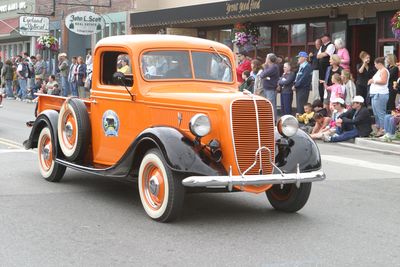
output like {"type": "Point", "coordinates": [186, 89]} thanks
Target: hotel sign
{"type": "Point", "coordinates": [34, 26]}
{"type": "Point", "coordinates": [249, 6]}
{"type": "Point", "coordinates": [84, 23]}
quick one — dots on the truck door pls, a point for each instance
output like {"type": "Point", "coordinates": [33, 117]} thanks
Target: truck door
{"type": "Point", "coordinates": [113, 111]}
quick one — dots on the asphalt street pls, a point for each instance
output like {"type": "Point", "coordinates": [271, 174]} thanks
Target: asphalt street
{"type": "Point", "coordinates": [351, 219]}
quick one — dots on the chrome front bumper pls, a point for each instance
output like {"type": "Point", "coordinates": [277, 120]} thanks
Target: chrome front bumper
{"type": "Point", "coordinates": [237, 180]}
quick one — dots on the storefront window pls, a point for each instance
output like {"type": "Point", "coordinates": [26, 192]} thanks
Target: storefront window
{"type": "Point", "coordinates": [265, 37]}
{"type": "Point", "coordinates": [294, 51]}
{"type": "Point", "coordinates": [283, 34]}
{"type": "Point", "coordinates": [316, 30]}
{"type": "Point", "coordinates": [387, 28]}
{"type": "Point", "coordinates": [298, 33]}
{"type": "Point", "coordinates": [338, 30]}
{"type": "Point", "coordinates": [212, 35]}
{"type": "Point", "coordinates": [114, 29]}
{"type": "Point", "coordinates": [107, 30]}
{"type": "Point", "coordinates": [122, 28]}
{"type": "Point", "coordinates": [225, 37]}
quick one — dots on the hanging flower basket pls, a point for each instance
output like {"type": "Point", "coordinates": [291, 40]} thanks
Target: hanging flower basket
{"type": "Point", "coordinates": [47, 42]}
{"type": "Point", "coordinates": [395, 23]}
{"type": "Point", "coordinates": [245, 34]}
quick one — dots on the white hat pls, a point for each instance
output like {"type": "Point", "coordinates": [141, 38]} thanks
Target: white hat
{"type": "Point", "coordinates": [62, 55]}
{"type": "Point", "coordinates": [358, 99]}
{"type": "Point", "coordinates": [339, 100]}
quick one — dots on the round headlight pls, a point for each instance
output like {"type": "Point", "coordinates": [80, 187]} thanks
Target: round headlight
{"type": "Point", "coordinates": [288, 126]}
{"type": "Point", "coordinates": [200, 125]}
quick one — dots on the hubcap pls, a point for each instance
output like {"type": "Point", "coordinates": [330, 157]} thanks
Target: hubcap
{"type": "Point", "coordinates": [69, 130]}
{"type": "Point", "coordinates": [45, 153]}
{"type": "Point", "coordinates": [153, 186]}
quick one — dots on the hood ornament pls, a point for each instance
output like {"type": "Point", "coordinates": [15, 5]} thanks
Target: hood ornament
{"type": "Point", "coordinates": [179, 119]}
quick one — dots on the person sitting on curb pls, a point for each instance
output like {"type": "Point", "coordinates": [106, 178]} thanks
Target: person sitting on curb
{"type": "Point", "coordinates": [321, 123]}
{"type": "Point", "coordinates": [339, 109]}
{"type": "Point", "coordinates": [306, 120]}
{"type": "Point", "coordinates": [390, 123]}
{"type": "Point", "coordinates": [318, 107]}
{"type": "Point", "coordinates": [354, 123]}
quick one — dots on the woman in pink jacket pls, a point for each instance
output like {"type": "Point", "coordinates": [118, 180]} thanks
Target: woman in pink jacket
{"type": "Point", "coordinates": [343, 53]}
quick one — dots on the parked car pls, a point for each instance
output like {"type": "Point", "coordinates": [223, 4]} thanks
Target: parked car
{"type": "Point", "coordinates": [166, 111]}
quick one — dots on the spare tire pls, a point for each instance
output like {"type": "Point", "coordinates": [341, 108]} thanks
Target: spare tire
{"type": "Point", "coordinates": [74, 129]}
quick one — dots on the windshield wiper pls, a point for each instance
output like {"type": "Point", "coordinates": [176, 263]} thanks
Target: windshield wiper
{"type": "Point", "coordinates": [222, 58]}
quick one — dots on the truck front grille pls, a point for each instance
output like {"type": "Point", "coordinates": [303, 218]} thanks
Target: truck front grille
{"type": "Point", "coordinates": [245, 134]}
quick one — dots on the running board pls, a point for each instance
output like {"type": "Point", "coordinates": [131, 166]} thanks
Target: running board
{"type": "Point", "coordinates": [112, 171]}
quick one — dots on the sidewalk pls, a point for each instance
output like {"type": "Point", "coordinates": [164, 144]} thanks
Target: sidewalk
{"type": "Point", "coordinates": [376, 145]}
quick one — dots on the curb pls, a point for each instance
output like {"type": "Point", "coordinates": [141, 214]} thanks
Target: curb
{"type": "Point", "coordinates": [374, 145]}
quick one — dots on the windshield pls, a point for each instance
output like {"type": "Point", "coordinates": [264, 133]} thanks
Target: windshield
{"type": "Point", "coordinates": [176, 65]}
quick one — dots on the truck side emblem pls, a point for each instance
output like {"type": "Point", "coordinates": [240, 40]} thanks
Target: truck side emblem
{"type": "Point", "coordinates": [179, 119]}
{"type": "Point", "coordinates": [110, 123]}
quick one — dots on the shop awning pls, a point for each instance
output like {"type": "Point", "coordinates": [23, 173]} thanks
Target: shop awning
{"type": "Point", "coordinates": [236, 9]}
{"type": "Point", "coordinates": [7, 26]}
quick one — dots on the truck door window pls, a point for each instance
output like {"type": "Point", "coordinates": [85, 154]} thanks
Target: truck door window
{"type": "Point", "coordinates": [113, 62]}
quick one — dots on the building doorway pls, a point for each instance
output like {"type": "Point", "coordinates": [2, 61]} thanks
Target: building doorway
{"type": "Point", "coordinates": [363, 38]}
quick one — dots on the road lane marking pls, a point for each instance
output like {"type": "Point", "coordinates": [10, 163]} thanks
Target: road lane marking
{"type": "Point", "coordinates": [362, 163]}
{"type": "Point", "coordinates": [6, 151]}
{"type": "Point", "coordinates": [10, 142]}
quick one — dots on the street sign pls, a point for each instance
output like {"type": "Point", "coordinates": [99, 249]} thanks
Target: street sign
{"type": "Point", "coordinates": [33, 26]}
{"type": "Point", "coordinates": [84, 22]}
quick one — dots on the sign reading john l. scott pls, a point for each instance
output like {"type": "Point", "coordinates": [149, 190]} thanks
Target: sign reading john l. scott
{"type": "Point", "coordinates": [33, 26]}
{"type": "Point", "coordinates": [84, 23]}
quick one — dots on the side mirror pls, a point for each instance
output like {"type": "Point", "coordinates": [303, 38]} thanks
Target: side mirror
{"type": "Point", "coordinates": [119, 78]}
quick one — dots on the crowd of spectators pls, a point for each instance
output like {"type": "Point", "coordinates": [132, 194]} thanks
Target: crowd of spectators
{"type": "Point", "coordinates": [22, 76]}
{"type": "Point", "coordinates": [339, 108]}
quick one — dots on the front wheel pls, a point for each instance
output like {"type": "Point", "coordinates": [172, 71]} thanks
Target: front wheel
{"type": "Point", "coordinates": [161, 192]}
{"type": "Point", "coordinates": [289, 198]}
{"type": "Point", "coordinates": [49, 169]}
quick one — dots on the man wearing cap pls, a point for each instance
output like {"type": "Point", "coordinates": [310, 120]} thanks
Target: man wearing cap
{"type": "Point", "coordinates": [244, 64]}
{"type": "Point", "coordinates": [302, 83]}
{"type": "Point", "coordinates": [354, 123]}
{"type": "Point", "coordinates": [63, 66]}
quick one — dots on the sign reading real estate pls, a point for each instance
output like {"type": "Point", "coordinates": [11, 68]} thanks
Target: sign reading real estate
{"type": "Point", "coordinates": [84, 22]}
{"type": "Point", "coordinates": [33, 26]}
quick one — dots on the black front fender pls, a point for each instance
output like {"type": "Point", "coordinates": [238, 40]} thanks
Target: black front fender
{"type": "Point", "coordinates": [48, 118]}
{"type": "Point", "coordinates": [180, 152]}
{"type": "Point", "coordinates": [299, 149]}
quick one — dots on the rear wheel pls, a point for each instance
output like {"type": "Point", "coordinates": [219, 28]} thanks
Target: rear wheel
{"type": "Point", "coordinates": [161, 193]}
{"type": "Point", "coordinates": [49, 169]}
{"type": "Point", "coordinates": [289, 198]}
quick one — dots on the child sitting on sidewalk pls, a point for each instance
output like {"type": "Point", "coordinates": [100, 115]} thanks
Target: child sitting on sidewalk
{"type": "Point", "coordinates": [306, 121]}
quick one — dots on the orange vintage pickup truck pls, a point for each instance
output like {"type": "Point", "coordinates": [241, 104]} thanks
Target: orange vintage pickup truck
{"type": "Point", "coordinates": [165, 110]}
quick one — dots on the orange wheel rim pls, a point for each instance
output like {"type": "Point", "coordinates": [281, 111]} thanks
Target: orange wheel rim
{"type": "Point", "coordinates": [153, 186]}
{"type": "Point", "coordinates": [46, 153]}
{"type": "Point", "coordinates": [69, 129]}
